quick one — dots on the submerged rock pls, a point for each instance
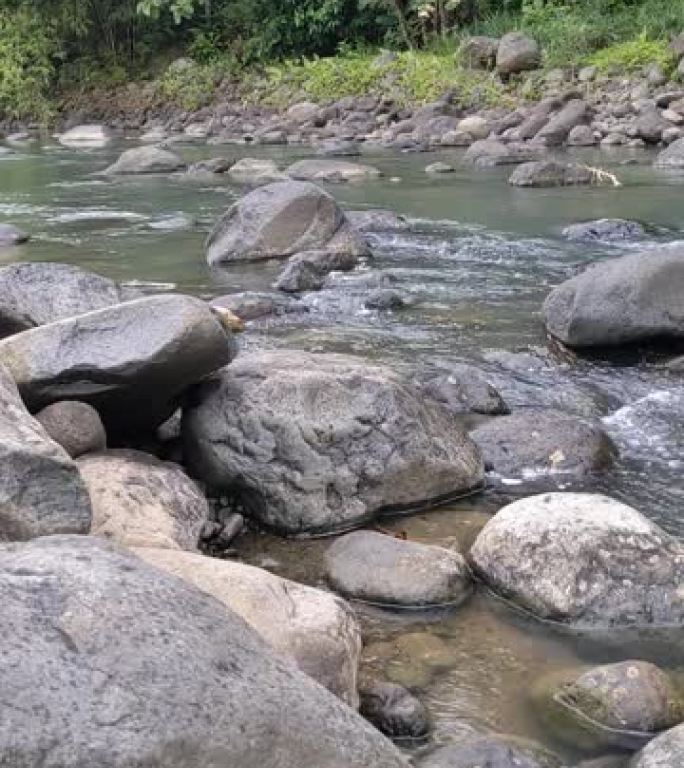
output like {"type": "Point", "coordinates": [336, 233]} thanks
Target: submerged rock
{"type": "Point", "coordinates": [583, 559]}
{"type": "Point", "coordinates": [331, 171]}
{"type": "Point", "coordinates": [130, 666]}
{"type": "Point", "coordinates": [315, 629]}
{"type": "Point", "coordinates": [490, 752]}
{"type": "Point", "coordinates": [464, 389]}
{"type": "Point", "coordinates": [140, 501]}
{"type": "Point", "coordinates": [11, 235]}
{"type": "Point", "coordinates": [41, 491]}
{"type": "Point", "coordinates": [435, 169]}
{"type": "Point", "coordinates": [282, 219]}
{"type": "Point", "coordinates": [85, 137]}
{"type": "Point", "coordinates": [77, 427]}
{"type": "Point", "coordinates": [250, 170]}
{"type": "Point", "coordinates": [131, 362]}
{"type": "Point", "coordinates": [141, 160]}
{"type": "Point", "coordinates": [665, 751]}
{"type": "Point", "coordinates": [33, 294]}
{"type": "Point", "coordinates": [631, 299]}
{"type": "Point", "coordinates": [317, 443]}
{"type": "Point", "coordinates": [387, 299]}
{"type": "Point", "coordinates": [672, 157]}
{"type": "Point", "coordinates": [492, 152]}
{"type": "Point", "coordinates": [377, 220]}
{"type": "Point", "coordinates": [550, 173]}
{"type": "Point", "coordinates": [607, 230]}
{"type": "Point", "coordinates": [394, 711]}
{"type": "Point", "coordinates": [251, 305]}
{"type": "Point", "coordinates": [307, 271]}
{"type": "Point", "coordinates": [381, 569]}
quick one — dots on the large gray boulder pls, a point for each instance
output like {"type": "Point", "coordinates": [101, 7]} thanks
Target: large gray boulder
{"type": "Point", "coordinates": [487, 153]}
{"type": "Point", "coordinates": [464, 389]}
{"type": "Point", "coordinates": [318, 443]}
{"type": "Point", "coordinates": [143, 160]}
{"type": "Point", "coordinates": [331, 171]}
{"type": "Point", "coordinates": [41, 491]}
{"type": "Point", "coordinates": [123, 665]}
{"type": "Point", "coordinates": [140, 501]}
{"type": "Point", "coordinates": [665, 751]}
{"type": "Point", "coordinates": [583, 559]}
{"type": "Point", "coordinates": [479, 52]}
{"type": "Point", "coordinates": [89, 136]}
{"type": "Point", "coordinates": [37, 293]}
{"type": "Point", "coordinates": [279, 220]}
{"type": "Point", "coordinates": [308, 271]}
{"type": "Point", "coordinates": [377, 568]}
{"type": "Point", "coordinates": [672, 157]}
{"type": "Point", "coordinates": [315, 629]}
{"type": "Point", "coordinates": [517, 53]}
{"type": "Point", "coordinates": [131, 362]}
{"type": "Point", "coordinates": [634, 298]}
{"type": "Point", "coordinates": [555, 132]}
{"type": "Point", "coordinates": [77, 427]}
{"type": "Point", "coordinates": [550, 173]}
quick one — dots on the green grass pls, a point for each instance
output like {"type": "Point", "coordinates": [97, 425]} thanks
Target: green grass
{"type": "Point", "coordinates": [633, 55]}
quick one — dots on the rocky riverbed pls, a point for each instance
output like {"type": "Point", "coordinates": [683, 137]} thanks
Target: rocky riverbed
{"type": "Point", "coordinates": [218, 361]}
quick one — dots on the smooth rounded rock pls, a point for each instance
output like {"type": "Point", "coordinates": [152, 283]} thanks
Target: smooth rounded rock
{"type": "Point", "coordinates": [130, 666]}
{"type": "Point", "coordinates": [255, 171]}
{"type": "Point", "coordinates": [550, 173]}
{"type": "Point", "coordinates": [665, 751]}
{"type": "Point", "coordinates": [381, 569]}
{"type": "Point", "coordinates": [394, 711]}
{"type": "Point", "coordinates": [488, 752]}
{"type": "Point", "coordinates": [85, 137]}
{"type": "Point", "coordinates": [307, 271]}
{"type": "Point", "coordinates": [77, 427]}
{"type": "Point", "coordinates": [492, 152]}
{"type": "Point", "coordinates": [143, 160]}
{"type": "Point", "coordinates": [465, 389]}
{"type": "Point", "coordinates": [583, 559]}
{"type": "Point", "coordinates": [517, 53]}
{"type": "Point", "coordinates": [318, 443]}
{"type": "Point", "coordinates": [377, 220]}
{"type": "Point", "coordinates": [139, 501]}
{"type": "Point", "coordinates": [331, 171]}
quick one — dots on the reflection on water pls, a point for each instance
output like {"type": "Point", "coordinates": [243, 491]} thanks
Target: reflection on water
{"type": "Point", "coordinates": [478, 261]}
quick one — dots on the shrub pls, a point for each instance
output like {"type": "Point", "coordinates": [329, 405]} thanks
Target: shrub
{"type": "Point", "coordinates": [192, 86]}
{"type": "Point", "coordinates": [633, 55]}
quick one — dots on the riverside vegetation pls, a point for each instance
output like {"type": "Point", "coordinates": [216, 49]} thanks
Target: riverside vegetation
{"type": "Point", "coordinates": [341, 357]}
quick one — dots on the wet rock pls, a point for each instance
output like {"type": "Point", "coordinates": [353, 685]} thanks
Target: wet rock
{"type": "Point", "coordinates": [282, 219]}
{"type": "Point", "coordinates": [11, 235]}
{"type": "Point", "coordinates": [142, 160]}
{"type": "Point", "coordinates": [479, 52]}
{"type": "Point", "coordinates": [583, 559]}
{"type": "Point", "coordinates": [315, 629]}
{"type": "Point", "coordinates": [338, 148]}
{"type": "Point", "coordinates": [576, 112]}
{"type": "Point", "coordinates": [381, 569]}
{"type": "Point", "coordinates": [75, 426]}
{"type": "Point", "coordinates": [215, 166]}
{"type": "Point", "coordinates": [41, 491]}
{"type": "Point", "coordinates": [672, 157]}
{"type": "Point", "coordinates": [630, 299]}
{"type": "Point", "coordinates": [139, 501]}
{"type": "Point", "coordinates": [606, 230]}
{"type": "Point", "coordinates": [377, 220]}
{"type": "Point", "coordinates": [34, 294]}
{"type": "Point", "coordinates": [582, 136]}
{"type": "Point", "coordinates": [307, 271]}
{"type": "Point", "coordinates": [386, 299]}
{"type": "Point", "coordinates": [437, 168]}
{"type": "Point", "coordinates": [464, 389]}
{"type": "Point", "coordinates": [517, 53]}
{"type": "Point", "coordinates": [332, 171]}
{"type": "Point", "coordinates": [250, 170]}
{"type": "Point", "coordinates": [85, 137]}
{"type": "Point", "coordinates": [131, 362]}
{"type": "Point", "coordinates": [549, 173]}
{"type": "Point", "coordinates": [317, 443]}
{"type": "Point", "coordinates": [665, 751]}
{"type": "Point", "coordinates": [394, 711]}
{"type": "Point", "coordinates": [491, 152]}
{"type": "Point", "coordinates": [132, 666]}
{"type": "Point", "coordinates": [255, 306]}
{"type": "Point", "coordinates": [492, 752]}
{"type": "Point", "coordinates": [617, 705]}
{"type": "Point", "coordinates": [536, 443]}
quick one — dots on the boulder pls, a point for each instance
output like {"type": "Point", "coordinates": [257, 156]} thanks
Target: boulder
{"type": "Point", "coordinates": [583, 559]}
{"type": "Point", "coordinates": [338, 148]}
{"type": "Point", "coordinates": [464, 389]}
{"type": "Point", "coordinates": [384, 570]}
{"type": "Point", "coordinates": [85, 137]}
{"type": "Point", "coordinates": [250, 170]}
{"type": "Point", "coordinates": [535, 445]}
{"type": "Point", "coordinates": [672, 157]}
{"type": "Point", "coordinates": [575, 112]}
{"type": "Point", "coordinates": [377, 220]}
{"type": "Point", "coordinates": [332, 171]}
{"type": "Point", "coordinates": [139, 501]}
{"type": "Point", "coordinates": [307, 271]}
{"type": "Point", "coordinates": [394, 711]}
{"type": "Point", "coordinates": [129, 666]}
{"type": "Point", "coordinates": [77, 427]}
{"type": "Point", "coordinates": [33, 294]}
{"type": "Point", "coordinates": [550, 173]}
{"type": "Point", "coordinates": [616, 705]}
{"type": "Point", "coordinates": [41, 491]}
{"type": "Point", "coordinates": [475, 126]}
{"type": "Point", "coordinates": [517, 53]}
{"type": "Point", "coordinates": [11, 235]}
{"type": "Point", "coordinates": [252, 305]}
{"type": "Point", "coordinates": [649, 125]}
{"type": "Point", "coordinates": [605, 230]}
{"type": "Point", "coordinates": [148, 159]}
{"type": "Point", "coordinates": [304, 112]}
{"type": "Point", "coordinates": [665, 751]}
{"type": "Point", "coordinates": [490, 152]}
{"type": "Point", "coordinates": [582, 136]}
{"type": "Point", "coordinates": [313, 628]}
{"type": "Point", "coordinates": [488, 752]}
{"type": "Point", "coordinates": [630, 299]}
{"type": "Point", "coordinates": [131, 362]}
{"type": "Point", "coordinates": [318, 443]}
{"type": "Point", "coordinates": [279, 220]}
{"type": "Point", "coordinates": [434, 169]}
{"type": "Point", "coordinates": [479, 52]}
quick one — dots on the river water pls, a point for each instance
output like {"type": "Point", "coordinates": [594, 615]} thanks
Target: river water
{"type": "Point", "coordinates": [479, 259]}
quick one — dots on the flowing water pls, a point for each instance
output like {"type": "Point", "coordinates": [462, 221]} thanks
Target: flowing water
{"type": "Point", "coordinates": [479, 259]}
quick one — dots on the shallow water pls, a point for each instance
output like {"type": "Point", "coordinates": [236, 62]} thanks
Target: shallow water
{"type": "Point", "coordinates": [479, 260]}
